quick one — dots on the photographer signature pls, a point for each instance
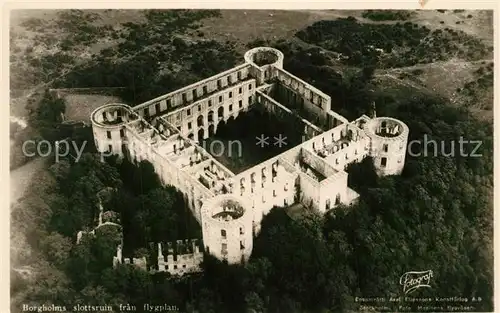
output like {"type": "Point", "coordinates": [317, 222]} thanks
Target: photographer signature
{"type": "Point", "coordinates": [414, 280]}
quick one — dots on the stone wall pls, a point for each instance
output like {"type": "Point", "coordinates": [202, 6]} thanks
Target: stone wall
{"type": "Point", "coordinates": [119, 259]}
{"type": "Point", "coordinates": [193, 92]}
{"type": "Point", "coordinates": [333, 192]}
{"type": "Point", "coordinates": [200, 119]}
{"type": "Point", "coordinates": [268, 184]}
{"type": "Point", "coordinates": [183, 257]}
{"type": "Point", "coordinates": [309, 93]}
{"type": "Point", "coordinates": [227, 228]}
{"type": "Point", "coordinates": [276, 108]}
{"type": "Point", "coordinates": [389, 140]}
{"type": "Point", "coordinates": [108, 127]}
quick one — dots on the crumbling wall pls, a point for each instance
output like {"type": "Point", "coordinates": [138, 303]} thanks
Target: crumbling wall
{"type": "Point", "coordinates": [182, 258]}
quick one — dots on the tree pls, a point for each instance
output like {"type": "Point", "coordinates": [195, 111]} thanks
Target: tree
{"type": "Point", "coordinates": [45, 114]}
{"type": "Point", "coordinates": [362, 175]}
{"type": "Point", "coordinates": [57, 248]}
{"type": "Point", "coordinates": [316, 272]}
{"type": "Point", "coordinates": [98, 295]}
{"type": "Point", "coordinates": [367, 72]}
{"type": "Point", "coordinates": [253, 302]}
{"type": "Point", "coordinates": [51, 286]}
{"type": "Point", "coordinates": [159, 214]}
{"type": "Point", "coordinates": [128, 282]}
{"type": "Point", "coordinates": [79, 265]}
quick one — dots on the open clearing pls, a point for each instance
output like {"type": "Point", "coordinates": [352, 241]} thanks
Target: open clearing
{"type": "Point", "coordinates": [79, 106]}
{"type": "Point", "coordinates": [245, 26]}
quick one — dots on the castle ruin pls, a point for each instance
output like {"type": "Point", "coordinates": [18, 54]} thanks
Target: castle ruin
{"type": "Point", "coordinates": [167, 131]}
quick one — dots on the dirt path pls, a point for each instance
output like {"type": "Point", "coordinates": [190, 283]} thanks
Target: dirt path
{"type": "Point", "coordinates": [406, 82]}
{"type": "Point", "coordinates": [20, 178]}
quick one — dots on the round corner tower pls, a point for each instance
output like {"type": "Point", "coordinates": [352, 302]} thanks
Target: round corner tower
{"type": "Point", "coordinates": [227, 227]}
{"type": "Point", "coordinates": [108, 127]}
{"type": "Point", "coordinates": [265, 60]}
{"type": "Point", "coordinates": [389, 140]}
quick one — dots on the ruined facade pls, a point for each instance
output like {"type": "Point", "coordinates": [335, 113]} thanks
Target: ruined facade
{"type": "Point", "coordinates": [167, 131]}
{"type": "Point", "coordinates": [180, 258]}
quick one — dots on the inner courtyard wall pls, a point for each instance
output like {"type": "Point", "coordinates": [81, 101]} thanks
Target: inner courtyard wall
{"type": "Point", "coordinates": [276, 108]}
{"type": "Point", "coordinates": [308, 92]}
{"type": "Point", "coordinates": [201, 119]}
{"type": "Point", "coordinates": [310, 111]}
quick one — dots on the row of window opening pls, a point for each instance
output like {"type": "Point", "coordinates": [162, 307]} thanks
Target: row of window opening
{"type": "Point", "coordinates": [184, 99]}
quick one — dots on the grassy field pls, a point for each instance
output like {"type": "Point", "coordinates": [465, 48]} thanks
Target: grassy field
{"type": "Point", "coordinates": [79, 106]}
{"type": "Point", "coordinates": [247, 25]}
{"type": "Point", "coordinates": [235, 145]}
{"type": "Point", "coordinates": [447, 79]}
{"type": "Point", "coordinates": [441, 77]}
{"type": "Point", "coordinates": [37, 34]}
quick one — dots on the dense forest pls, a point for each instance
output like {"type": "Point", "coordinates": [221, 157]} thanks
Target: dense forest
{"type": "Point", "coordinates": [392, 45]}
{"type": "Point", "coordinates": [437, 215]}
{"type": "Point", "coordinates": [155, 57]}
{"type": "Point", "coordinates": [44, 118]}
{"type": "Point", "coordinates": [387, 15]}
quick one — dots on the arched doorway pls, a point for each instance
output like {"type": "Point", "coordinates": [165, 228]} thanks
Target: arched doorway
{"type": "Point", "coordinates": [220, 112]}
{"type": "Point", "coordinates": [201, 134]}
{"type": "Point", "coordinates": [211, 130]}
